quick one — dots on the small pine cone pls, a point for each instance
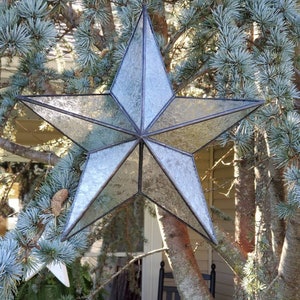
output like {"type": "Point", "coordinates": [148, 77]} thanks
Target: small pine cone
{"type": "Point", "coordinates": [58, 200]}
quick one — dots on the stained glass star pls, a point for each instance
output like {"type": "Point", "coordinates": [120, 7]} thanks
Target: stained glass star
{"type": "Point", "coordinates": [140, 138]}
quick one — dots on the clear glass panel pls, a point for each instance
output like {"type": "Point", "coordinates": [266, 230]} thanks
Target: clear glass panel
{"type": "Point", "coordinates": [181, 169]}
{"type": "Point", "coordinates": [158, 188]}
{"type": "Point", "coordinates": [193, 137]}
{"type": "Point", "coordinates": [122, 186]}
{"type": "Point", "coordinates": [129, 216]}
{"type": "Point", "coordinates": [157, 91]}
{"type": "Point", "coordinates": [100, 166]}
{"type": "Point", "coordinates": [127, 86]}
{"type": "Point", "coordinates": [98, 108]}
{"type": "Point", "coordinates": [86, 134]}
{"type": "Point", "coordinates": [183, 110]}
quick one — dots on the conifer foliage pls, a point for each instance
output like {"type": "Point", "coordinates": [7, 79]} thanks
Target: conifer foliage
{"type": "Point", "coordinates": [230, 48]}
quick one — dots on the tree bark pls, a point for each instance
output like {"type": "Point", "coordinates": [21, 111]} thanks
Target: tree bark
{"type": "Point", "coordinates": [269, 228]}
{"type": "Point", "coordinates": [108, 26]}
{"type": "Point", "coordinates": [264, 252]}
{"type": "Point", "coordinates": [244, 202]}
{"type": "Point", "coordinates": [187, 275]}
{"type": "Point", "coordinates": [45, 157]}
{"type": "Point", "coordinates": [3, 226]}
{"type": "Point", "coordinates": [244, 210]}
{"type": "Point", "coordinates": [289, 266]}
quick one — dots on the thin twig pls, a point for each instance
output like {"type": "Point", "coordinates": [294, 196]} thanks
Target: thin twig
{"type": "Point", "coordinates": [270, 285]}
{"type": "Point", "coordinates": [217, 163]}
{"type": "Point", "coordinates": [138, 257]}
{"type": "Point", "coordinates": [204, 69]}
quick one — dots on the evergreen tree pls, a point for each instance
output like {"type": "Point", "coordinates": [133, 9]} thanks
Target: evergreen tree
{"type": "Point", "coordinates": [230, 48]}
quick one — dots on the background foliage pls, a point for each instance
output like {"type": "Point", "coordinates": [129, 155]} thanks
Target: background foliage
{"type": "Point", "coordinates": [230, 48]}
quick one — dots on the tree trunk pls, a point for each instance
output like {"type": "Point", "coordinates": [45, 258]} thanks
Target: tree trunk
{"type": "Point", "coordinates": [269, 228]}
{"type": "Point", "coordinates": [3, 226]}
{"type": "Point", "coordinates": [289, 265]}
{"type": "Point", "coordinates": [244, 202]}
{"type": "Point", "coordinates": [108, 25]}
{"type": "Point", "coordinates": [244, 210]}
{"type": "Point", "coordinates": [187, 275]}
{"type": "Point", "coordinates": [230, 252]}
